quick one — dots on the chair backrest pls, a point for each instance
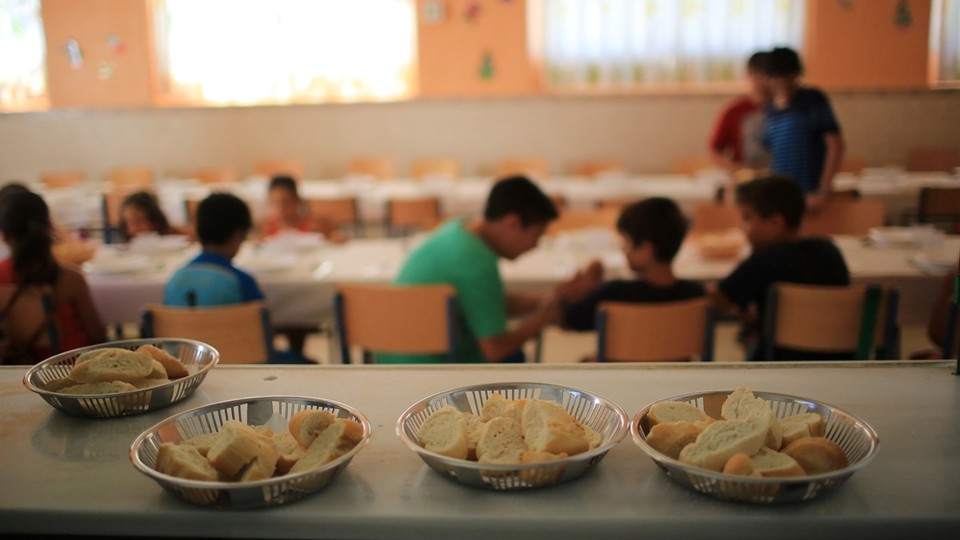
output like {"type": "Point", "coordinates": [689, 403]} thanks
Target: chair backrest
{"type": "Point", "coordinates": [823, 318]}
{"type": "Point", "coordinates": [573, 220]}
{"type": "Point", "coordinates": [241, 332]}
{"type": "Point", "coordinates": [378, 167]}
{"type": "Point", "coordinates": [274, 167]}
{"type": "Point", "coordinates": [216, 175]}
{"type": "Point", "coordinates": [29, 320]}
{"type": "Point", "coordinates": [714, 217]}
{"type": "Point", "coordinates": [939, 204]}
{"type": "Point", "coordinates": [844, 216]}
{"type": "Point", "coordinates": [338, 211]}
{"type": "Point", "coordinates": [396, 319]}
{"type": "Point", "coordinates": [933, 158]}
{"type": "Point", "coordinates": [441, 167]}
{"type": "Point", "coordinates": [421, 213]}
{"type": "Point", "coordinates": [536, 167]}
{"type": "Point", "coordinates": [673, 331]}
{"type": "Point", "coordinates": [131, 177]}
{"type": "Point", "coordinates": [597, 167]}
{"type": "Point", "coordinates": [690, 165]}
{"type": "Point", "coordinates": [62, 179]}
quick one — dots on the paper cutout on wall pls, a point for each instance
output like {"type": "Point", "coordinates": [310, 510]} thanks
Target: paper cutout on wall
{"type": "Point", "coordinates": [487, 70]}
{"type": "Point", "coordinates": [116, 45]}
{"type": "Point", "coordinates": [473, 11]}
{"type": "Point", "coordinates": [903, 17]}
{"type": "Point", "coordinates": [434, 11]}
{"type": "Point", "coordinates": [105, 70]}
{"type": "Point", "coordinates": [74, 53]}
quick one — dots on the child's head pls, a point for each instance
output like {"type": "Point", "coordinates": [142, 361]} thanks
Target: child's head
{"type": "Point", "coordinates": [651, 231]}
{"type": "Point", "coordinates": [772, 209]}
{"type": "Point", "coordinates": [140, 214]}
{"type": "Point", "coordinates": [757, 73]}
{"type": "Point", "coordinates": [783, 67]}
{"type": "Point", "coordinates": [26, 228]}
{"type": "Point", "coordinates": [223, 222]}
{"type": "Point", "coordinates": [285, 203]}
{"type": "Point", "coordinates": [516, 216]}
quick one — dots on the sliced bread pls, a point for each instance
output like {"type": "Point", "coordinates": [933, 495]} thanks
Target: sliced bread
{"type": "Point", "coordinates": [308, 423]}
{"type": "Point", "coordinates": [184, 461]}
{"type": "Point", "coordinates": [721, 440]}
{"type": "Point", "coordinates": [675, 411]}
{"type": "Point", "coordinates": [669, 438]}
{"type": "Point", "coordinates": [496, 405]}
{"type": "Point", "coordinates": [112, 364]}
{"type": "Point", "coordinates": [173, 367]}
{"type": "Point", "coordinates": [335, 441]}
{"type": "Point", "coordinates": [501, 442]}
{"type": "Point", "coordinates": [740, 465]}
{"type": "Point", "coordinates": [817, 455]}
{"type": "Point", "coordinates": [445, 432]}
{"type": "Point", "coordinates": [547, 427]}
{"type": "Point", "coordinates": [289, 451]}
{"type": "Point", "coordinates": [202, 443]}
{"type": "Point", "coordinates": [98, 388]}
{"type": "Point", "coordinates": [264, 464]}
{"type": "Point", "coordinates": [741, 404]}
{"type": "Point", "coordinates": [771, 463]}
{"type": "Point", "coordinates": [474, 431]}
{"type": "Point", "coordinates": [237, 446]}
{"type": "Point", "coordinates": [799, 426]}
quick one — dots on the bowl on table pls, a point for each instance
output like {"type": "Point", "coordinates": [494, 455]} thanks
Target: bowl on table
{"type": "Point", "coordinates": [198, 357]}
{"type": "Point", "coordinates": [854, 436]}
{"type": "Point", "coordinates": [270, 411]}
{"type": "Point", "coordinates": [603, 416]}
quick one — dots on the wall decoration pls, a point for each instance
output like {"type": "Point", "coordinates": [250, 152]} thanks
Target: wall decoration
{"type": "Point", "coordinates": [116, 45]}
{"type": "Point", "coordinates": [74, 53]}
{"type": "Point", "coordinates": [105, 70]}
{"type": "Point", "coordinates": [473, 11]}
{"type": "Point", "coordinates": [434, 11]}
{"type": "Point", "coordinates": [487, 70]}
{"type": "Point", "coordinates": [903, 17]}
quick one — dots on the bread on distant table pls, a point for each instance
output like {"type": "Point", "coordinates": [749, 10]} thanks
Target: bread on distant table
{"type": "Point", "coordinates": [98, 388]}
{"type": "Point", "coordinates": [501, 442]}
{"type": "Point", "coordinates": [289, 451]}
{"type": "Point", "coordinates": [721, 440]}
{"type": "Point", "coordinates": [799, 426]}
{"type": "Point", "coordinates": [741, 465]}
{"type": "Point", "coordinates": [547, 427]}
{"type": "Point", "coordinates": [335, 441]}
{"type": "Point", "coordinates": [111, 364]}
{"type": "Point", "coordinates": [817, 455]}
{"type": "Point", "coordinates": [741, 404]}
{"type": "Point", "coordinates": [308, 423]}
{"type": "Point", "coordinates": [184, 461]}
{"type": "Point", "coordinates": [202, 442]}
{"type": "Point", "coordinates": [264, 464]}
{"type": "Point", "coordinates": [496, 405]}
{"type": "Point", "coordinates": [445, 432]}
{"type": "Point", "coordinates": [173, 367]}
{"type": "Point", "coordinates": [771, 463]}
{"type": "Point", "coordinates": [237, 446]}
{"type": "Point", "coordinates": [675, 411]}
{"type": "Point", "coordinates": [669, 438]}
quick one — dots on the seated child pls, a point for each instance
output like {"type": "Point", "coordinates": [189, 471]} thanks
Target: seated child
{"type": "Point", "coordinates": [140, 214]}
{"type": "Point", "coordinates": [289, 213]}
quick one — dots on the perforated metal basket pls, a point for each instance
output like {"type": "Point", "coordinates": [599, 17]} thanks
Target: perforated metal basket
{"type": "Point", "coordinates": [604, 417]}
{"type": "Point", "coordinates": [198, 357]}
{"type": "Point", "coordinates": [855, 436]}
{"type": "Point", "coordinates": [273, 411]}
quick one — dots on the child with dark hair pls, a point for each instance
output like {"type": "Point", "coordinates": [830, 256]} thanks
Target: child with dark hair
{"type": "Point", "coordinates": [737, 140]}
{"type": "Point", "coordinates": [651, 233]}
{"type": "Point", "coordinates": [289, 213]}
{"type": "Point", "coordinates": [772, 209]}
{"type": "Point", "coordinates": [801, 131]}
{"type": "Point", "coordinates": [27, 231]}
{"type": "Point", "coordinates": [140, 214]}
{"type": "Point", "coordinates": [211, 279]}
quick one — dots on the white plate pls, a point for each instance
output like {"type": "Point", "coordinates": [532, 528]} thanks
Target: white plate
{"type": "Point", "coordinates": [905, 236]}
{"type": "Point", "coordinates": [117, 264]}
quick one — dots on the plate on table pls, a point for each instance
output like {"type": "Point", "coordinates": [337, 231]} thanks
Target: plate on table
{"type": "Point", "coordinates": [154, 244]}
{"type": "Point", "coordinates": [905, 236]}
{"type": "Point", "coordinates": [117, 264]}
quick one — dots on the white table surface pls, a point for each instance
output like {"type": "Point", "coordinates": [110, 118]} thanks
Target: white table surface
{"type": "Point", "coordinates": [68, 475]}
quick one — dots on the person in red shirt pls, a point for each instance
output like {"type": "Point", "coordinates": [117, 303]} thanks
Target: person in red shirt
{"type": "Point", "coordinates": [289, 213]}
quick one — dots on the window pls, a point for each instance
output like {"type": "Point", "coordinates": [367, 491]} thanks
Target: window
{"type": "Point", "coordinates": [249, 52]}
{"type": "Point", "coordinates": [945, 43]}
{"type": "Point", "coordinates": [23, 83]}
{"type": "Point", "coordinates": [616, 44]}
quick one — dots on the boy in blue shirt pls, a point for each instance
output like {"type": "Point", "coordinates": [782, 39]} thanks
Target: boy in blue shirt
{"type": "Point", "coordinates": [210, 279]}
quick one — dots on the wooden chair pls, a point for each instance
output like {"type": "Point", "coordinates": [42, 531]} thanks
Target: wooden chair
{"type": "Point", "coordinates": [62, 179]}
{"type": "Point", "coordinates": [242, 333]}
{"type": "Point", "coordinates": [933, 158]}
{"type": "Point", "coordinates": [396, 319]}
{"type": "Point", "coordinates": [844, 217]}
{"type": "Point", "coordinates": [216, 175]}
{"type": "Point", "coordinates": [28, 321]}
{"type": "Point", "coordinates": [690, 165]}
{"type": "Point", "coordinates": [674, 331]}
{"type": "Point", "coordinates": [826, 319]}
{"type": "Point", "coordinates": [853, 164]}
{"type": "Point", "coordinates": [574, 220]}
{"type": "Point", "coordinates": [380, 168]}
{"type": "Point", "coordinates": [714, 217]}
{"type": "Point", "coordinates": [435, 167]}
{"type": "Point", "coordinates": [939, 206]}
{"type": "Point", "coordinates": [131, 178]}
{"type": "Point", "coordinates": [274, 167]}
{"type": "Point", "coordinates": [406, 214]}
{"type": "Point", "coordinates": [535, 167]}
{"type": "Point", "coordinates": [340, 211]}
{"type": "Point", "coordinates": [593, 169]}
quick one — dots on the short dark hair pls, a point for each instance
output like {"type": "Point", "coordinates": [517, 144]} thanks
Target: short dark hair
{"type": "Point", "coordinates": [220, 216]}
{"type": "Point", "coordinates": [147, 203]}
{"type": "Point", "coordinates": [784, 62]}
{"type": "Point", "coordinates": [757, 63]}
{"type": "Point", "coordinates": [774, 195]}
{"type": "Point", "coordinates": [657, 220]}
{"type": "Point", "coordinates": [518, 195]}
{"type": "Point", "coordinates": [26, 227]}
{"type": "Point", "coordinates": [283, 181]}
{"type": "Point", "coordinates": [13, 187]}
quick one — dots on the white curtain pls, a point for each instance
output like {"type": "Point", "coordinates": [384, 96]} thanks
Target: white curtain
{"type": "Point", "coordinates": [629, 43]}
{"type": "Point", "coordinates": [945, 40]}
{"type": "Point", "coordinates": [22, 54]}
{"type": "Point", "coordinates": [246, 52]}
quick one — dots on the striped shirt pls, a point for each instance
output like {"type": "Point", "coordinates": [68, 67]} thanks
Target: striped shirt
{"type": "Point", "coordinates": [795, 136]}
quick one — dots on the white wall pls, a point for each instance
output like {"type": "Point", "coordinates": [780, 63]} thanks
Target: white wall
{"type": "Point", "coordinates": [646, 132]}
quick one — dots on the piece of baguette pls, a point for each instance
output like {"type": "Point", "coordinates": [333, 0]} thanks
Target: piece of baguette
{"type": "Point", "coordinates": [202, 442]}
{"type": "Point", "coordinates": [501, 442]}
{"type": "Point", "coordinates": [675, 411]}
{"type": "Point", "coordinates": [474, 431]}
{"type": "Point", "coordinates": [289, 451]}
{"type": "Point", "coordinates": [669, 438]}
{"type": "Point", "coordinates": [532, 456]}
{"type": "Point", "coordinates": [741, 465]}
{"type": "Point", "coordinates": [308, 423]}
{"type": "Point", "coordinates": [721, 440]}
{"type": "Point", "coordinates": [237, 446]}
{"type": "Point", "coordinates": [112, 364]}
{"type": "Point", "coordinates": [98, 388]}
{"type": "Point", "coordinates": [335, 441]}
{"type": "Point", "coordinates": [173, 367]}
{"type": "Point", "coordinates": [817, 455]}
{"type": "Point", "coordinates": [771, 463]}
{"type": "Point", "coordinates": [150, 383]}
{"type": "Point", "coordinates": [445, 432]}
{"type": "Point", "coordinates": [57, 385]}
{"type": "Point", "coordinates": [496, 405]}
{"type": "Point", "coordinates": [741, 404]}
{"type": "Point", "coordinates": [184, 461]}
{"type": "Point", "coordinates": [547, 427]}
{"type": "Point", "coordinates": [264, 464]}
{"type": "Point", "coordinates": [594, 439]}
{"type": "Point", "coordinates": [799, 426]}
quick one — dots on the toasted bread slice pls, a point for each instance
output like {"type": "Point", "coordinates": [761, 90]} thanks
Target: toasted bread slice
{"type": "Point", "coordinates": [594, 439]}
{"type": "Point", "coordinates": [98, 388]}
{"type": "Point", "coordinates": [202, 442]}
{"type": "Point", "coordinates": [289, 451]}
{"type": "Point", "coordinates": [338, 439]}
{"type": "Point", "coordinates": [237, 445]}
{"type": "Point", "coordinates": [112, 364]}
{"type": "Point", "coordinates": [264, 464]}
{"type": "Point", "coordinates": [308, 423]}
{"type": "Point", "coordinates": [150, 383]}
{"type": "Point", "coordinates": [741, 404]}
{"type": "Point", "coordinates": [496, 405]}
{"type": "Point", "coordinates": [474, 430]}
{"type": "Point", "coordinates": [184, 461]}
{"type": "Point", "coordinates": [669, 438]}
{"type": "Point", "coordinates": [799, 426]}
{"type": "Point", "coordinates": [817, 455]}
{"type": "Point", "coordinates": [531, 456]}
{"type": "Point", "coordinates": [741, 465]}
{"type": "Point", "coordinates": [445, 433]}
{"type": "Point", "coordinates": [771, 463]}
{"type": "Point", "coordinates": [174, 368]}
{"type": "Point", "coordinates": [721, 440]}
{"type": "Point", "coordinates": [675, 411]}
{"type": "Point", "coordinates": [501, 442]}
{"type": "Point", "coordinates": [547, 427]}
{"type": "Point", "coordinates": [57, 385]}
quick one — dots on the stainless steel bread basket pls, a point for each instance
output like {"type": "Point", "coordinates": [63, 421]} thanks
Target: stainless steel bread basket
{"type": "Point", "coordinates": [606, 418]}
{"type": "Point", "coordinates": [199, 358]}
{"type": "Point", "coordinates": [273, 411]}
{"type": "Point", "coordinates": [856, 437]}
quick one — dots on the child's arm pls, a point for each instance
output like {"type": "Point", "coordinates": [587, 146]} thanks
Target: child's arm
{"type": "Point", "coordinates": [831, 162]}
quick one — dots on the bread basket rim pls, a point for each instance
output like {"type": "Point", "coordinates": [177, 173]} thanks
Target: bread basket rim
{"type": "Point", "coordinates": [617, 437]}
{"type": "Point", "coordinates": [115, 344]}
{"type": "Point", "coordinates": [199, 484]}
{"type": "Point", "coordinates": [690, 469]}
